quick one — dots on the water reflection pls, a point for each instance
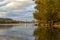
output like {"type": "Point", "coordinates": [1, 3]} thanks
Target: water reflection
{"type": "Point", "coordinates": [5, 26]}
{"type": "Point", "coordinates": [47, 33]}
{"type": "Point", "coordinates": [17, 32]}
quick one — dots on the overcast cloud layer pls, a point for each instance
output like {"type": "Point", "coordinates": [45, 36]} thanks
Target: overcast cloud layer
{"type": "Point", "coordinates": [17, 9]}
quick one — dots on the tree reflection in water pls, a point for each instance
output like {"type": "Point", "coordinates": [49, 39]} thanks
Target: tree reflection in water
{"type": "Point", "coordinates": [6, 26]}
{"type": "Point", "coordinates": [45, 33]}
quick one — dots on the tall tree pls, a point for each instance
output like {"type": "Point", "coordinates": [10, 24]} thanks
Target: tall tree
{"type": "Point", "coordinates": [47, 11]}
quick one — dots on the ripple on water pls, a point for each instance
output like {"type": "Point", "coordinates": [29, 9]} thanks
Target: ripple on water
{"type": "Point", "coordinates": [10, 38]}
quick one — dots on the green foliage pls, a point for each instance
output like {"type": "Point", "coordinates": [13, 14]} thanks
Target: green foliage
{"type": "Point", "coordinates": [47, 11]}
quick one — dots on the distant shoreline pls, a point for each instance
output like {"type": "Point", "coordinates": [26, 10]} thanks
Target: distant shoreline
{"type": "Point", "coordinates": [11, 21]}
{"type": "Point", "coordinates": [17, 24]}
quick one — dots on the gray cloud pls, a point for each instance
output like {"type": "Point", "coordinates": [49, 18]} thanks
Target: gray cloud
{"type": "Point", "coordinates": [15, 5]}
{"type": "Point", "coordinates": [17, 9]}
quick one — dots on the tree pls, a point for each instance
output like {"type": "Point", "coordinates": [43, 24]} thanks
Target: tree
{"type": "Point", "coordinates": [47, 11]}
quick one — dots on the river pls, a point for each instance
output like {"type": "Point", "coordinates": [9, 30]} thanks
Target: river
{"type": "Point", "coordinates": [17, 32]}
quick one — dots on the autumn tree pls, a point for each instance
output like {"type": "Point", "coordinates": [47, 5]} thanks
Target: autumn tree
{"type": "Point", "coordinates": [47, 11]}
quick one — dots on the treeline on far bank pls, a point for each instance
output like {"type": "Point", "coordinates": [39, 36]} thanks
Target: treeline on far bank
{"type": "Point", "coordinates": [7, 21]}
{"type": "Point", "coordinates": [11, 21]}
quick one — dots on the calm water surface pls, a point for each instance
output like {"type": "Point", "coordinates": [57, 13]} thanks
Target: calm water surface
{"type": "Point", "coordinates": [17, 32]}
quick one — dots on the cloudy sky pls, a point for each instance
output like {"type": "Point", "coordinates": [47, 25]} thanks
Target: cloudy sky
{"type": "Point", "coordinates": [17, 9]}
